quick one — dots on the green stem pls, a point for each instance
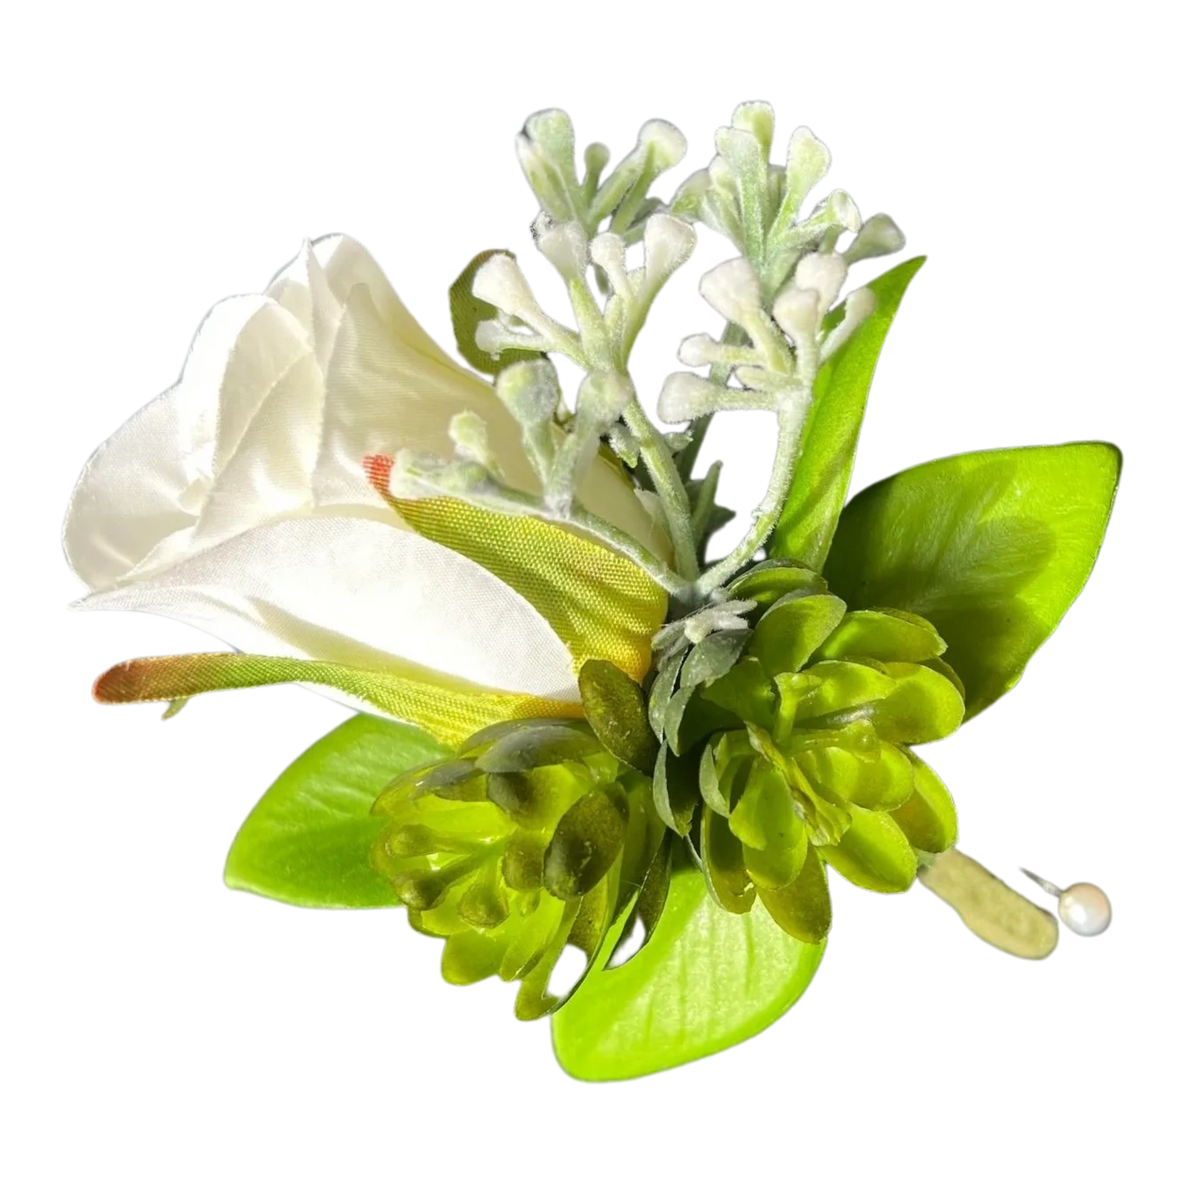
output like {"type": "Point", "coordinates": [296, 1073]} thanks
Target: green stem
{"type": "Point", "coordinates": [790, 423]}
{"type": "Point", "coordinates": [732, 335]}
{"type": "Point", "coordinates": [668, 485]}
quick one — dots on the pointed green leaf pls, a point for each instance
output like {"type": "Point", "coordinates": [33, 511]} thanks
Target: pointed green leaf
{"type": "Point", "coordinates": [707, 979]}
{"type": "Point", "coordinates": [615, 708]}
{"type": "Point", "coordinates": [647, 909]}
{"type": "Point", "coordinates": [676, 790]}
{"type": "Point", "coordinates": [308, 840]}
{"type": "Point", "coordinates": [991, 547]}
{"type": "Point", "coordinates": [823, 470]}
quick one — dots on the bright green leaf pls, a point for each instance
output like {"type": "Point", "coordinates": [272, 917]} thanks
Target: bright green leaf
{"type": "Point", "coordinates": [873, 853]}
{"type": "Point", "coordinates": [991, 547]}
{"type": "Point", "coordinates": [793, 629]}
{"type": "Point", "coordinates": [928, 818]}
{"type": "Point", "coordinates": [308, 840]}
{"type": "Point", "coordinates": [707, 979]}
{"type": "Point", "coordinates": [823, 470]}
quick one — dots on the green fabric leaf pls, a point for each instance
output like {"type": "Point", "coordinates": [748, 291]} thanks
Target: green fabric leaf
{"type": "Point", "coordinates": [991, 547]}
{"type": "Point", "coordinates": [707, 979]}
{"type": "Point", "coordinates": [616, 711]}
{"type": "Point", "coordinates": [308, 840]}
{"type": "Point", "coordinates": [823, 470]}
{"type": "Point", "coordinates": [468, 312]}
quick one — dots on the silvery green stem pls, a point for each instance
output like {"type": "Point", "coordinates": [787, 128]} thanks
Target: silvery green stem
{"type": "Point", "coordinates": [668, 485]}
{"type": "Point", "coordinates": [790, 422]}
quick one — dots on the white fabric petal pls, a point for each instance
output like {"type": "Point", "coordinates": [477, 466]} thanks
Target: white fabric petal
{"type": "Point", "coordinates": [343, 589]}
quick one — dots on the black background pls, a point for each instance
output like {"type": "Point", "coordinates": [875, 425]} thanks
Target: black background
{"type": "Point", "coordinates": [1003, 340]}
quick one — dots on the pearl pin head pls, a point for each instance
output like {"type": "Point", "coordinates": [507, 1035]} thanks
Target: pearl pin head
{"type": "Point", "coordinates": [1086, 909]}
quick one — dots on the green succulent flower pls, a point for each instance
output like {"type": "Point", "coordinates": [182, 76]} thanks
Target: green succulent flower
{"type": "Point", "coordinates": [531, 839]}
{"type": "Point", "coordinates": [786, 744]}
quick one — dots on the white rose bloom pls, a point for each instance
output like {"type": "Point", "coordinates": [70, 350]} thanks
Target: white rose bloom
{"type": "Point", "coordinates": [237, 500]}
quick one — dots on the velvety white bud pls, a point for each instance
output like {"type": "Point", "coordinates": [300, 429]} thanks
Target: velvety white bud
{"type": "Point", "coordinates": [668, 243]}
{"type": "Point", "coordinates": [596, 156]}
{"type": "Point", "coordinates": [499, 281]}
{"type": "Point", "coordinates": [879, 235]}
{"type": "Point", "coordinates": [699, 350]}
{"type": "Point", "coordinates": [687, 396]}
{"type": "Point", "coordinates": [732, 289]}
{"type": "Point", "coordinates": [608, 253]}
{"type": "Point", "coordinates": [529, 390]}
{"type": "Point", "coordinates": [551, 130]}
{"type": "Point", "coordinates": [688, 198]}
{"type": "Point", "coordinates": [859, 305]}
{"type": "Point", "coordinates": [797, 311]}
{"type": "Point", "coordinates": [470, 435]}
{"type": "Point", "coordinates": [758, 119]}
{"type": "Point", "coordinates": [666, 144]}
{"type": "Point", "coordinates": [822, 272]}
{"type": "Point", "coordinates": [566, 247]}
{"type": "Point", "coordinates": [842, 208]}
{"type": "Point", "coordinates": [806, 163]}
{"type": "Point", "coordinates": [601, 399]}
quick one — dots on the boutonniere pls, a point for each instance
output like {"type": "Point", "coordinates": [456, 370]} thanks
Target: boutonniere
{"type": "Point", "coordinates": [582, 733]}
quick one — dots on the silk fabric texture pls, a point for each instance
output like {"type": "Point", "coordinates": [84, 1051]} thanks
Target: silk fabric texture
{"type": "Point", "coordinates": [238, 501]}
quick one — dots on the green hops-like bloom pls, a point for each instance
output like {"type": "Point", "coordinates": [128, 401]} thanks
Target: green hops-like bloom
{"type": "Point", "coordinates": [786, 745]}
{"type": "Point", "coordinates": [533, 838]}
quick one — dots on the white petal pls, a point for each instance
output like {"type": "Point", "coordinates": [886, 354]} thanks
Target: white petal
{"type": "Point", "coordinates": [148, 480]}
{"type": "Point", "coordinates": [291, 588]}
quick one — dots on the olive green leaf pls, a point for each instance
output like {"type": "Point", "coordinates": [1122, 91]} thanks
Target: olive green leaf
{"type": "Point", "coordinates": [616, 710]}
{"type": "Point", "coordinates": [308, 840]}
{"type": "Point", "coordinates": [707, 979]}
{"type": "Point", "coordinates": [991, 547]}
{"type": "Point", "coordinates": [823, 470]}
{"type": "Point", "coordinates": [647, 909]}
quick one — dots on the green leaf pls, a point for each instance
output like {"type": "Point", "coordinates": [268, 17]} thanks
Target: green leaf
{"type": "Point", "coordinates": [923, 706]}
{"type": "Point", "coordinates": [802, 909]}
{"type": "Point", "coordinates": [928, 818]}
{"type": "Point", "coordinates": [873, 853]}
{"type": "Point", "coordinates": [615, 708]}
{"type": "Point", "coordinates": [661, 691]}
{"type": "Point", "coordinates": [707, 979]}
{"type": "Point", "coordinates": [793, 629]}
{"type": "Point", "coordinates": [647, 909]}
{"type": "Point", "coordinates": [888, 635]}
{"type": "Point", "coordinates": [676, 790]}
{"type": "Point", "coordinates": [530, 747]}
{"type": "Point", "coordinates": [468, 312]}
{"type": "Point", "coordinates": [713, 657]}
{"type": "Point", "coordinates": [308, 840]}
{"type": "Point", "coordinates": [587, 840]}
{"type": "Point", "coordinates": [823, 471]}
{"type": "Point", "coordinates": [991, 547]}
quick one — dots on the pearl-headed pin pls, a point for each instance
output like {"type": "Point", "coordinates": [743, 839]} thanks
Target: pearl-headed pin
{"type": "Point", "coordinates": [1084, 908]}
